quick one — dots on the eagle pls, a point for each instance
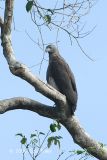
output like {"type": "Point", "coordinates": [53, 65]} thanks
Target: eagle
{"type": "Point", "coordinates": [60, 76]}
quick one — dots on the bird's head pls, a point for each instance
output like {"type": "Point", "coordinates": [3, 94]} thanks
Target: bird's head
{"type": "Point", "coordinates": [51, 49]}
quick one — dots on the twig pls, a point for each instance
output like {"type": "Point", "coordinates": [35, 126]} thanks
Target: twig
{"type": "Point", "coordinates": [60, 155]}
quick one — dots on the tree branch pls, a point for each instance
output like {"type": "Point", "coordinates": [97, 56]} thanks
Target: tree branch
{"type": "Point", "coordinates": [20, 69]}
{"type": "Point", "coordinates": [71, 123]}
{"type": "Point", "coordinates": [28, 104]}
{"type": "Point", "coordinates": [83, 139]}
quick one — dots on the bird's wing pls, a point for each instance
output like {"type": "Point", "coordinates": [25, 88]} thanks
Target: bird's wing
{"type": "Point", "coordinates": [50, 79]}
{"type": "Point", "coordinates": [71, 76]}
{"type": "Point", "coordinates": [63, 78]}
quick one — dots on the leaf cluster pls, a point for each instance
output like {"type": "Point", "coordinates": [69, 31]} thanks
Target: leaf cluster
{"type": "Point", "coordinates": [38, 142]}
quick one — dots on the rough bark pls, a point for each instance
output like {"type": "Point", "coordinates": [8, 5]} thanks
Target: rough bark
{"type": "Point", "coordinates": [28, 104]}
{"type": "Point", "coordinates": [58, 112]}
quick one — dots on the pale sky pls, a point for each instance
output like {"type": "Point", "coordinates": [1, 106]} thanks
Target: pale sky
{"type": "Point", "coordinates": [91, 79]}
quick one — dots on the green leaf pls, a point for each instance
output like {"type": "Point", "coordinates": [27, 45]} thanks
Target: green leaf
{"type": "Point", "coordinates": [58, 143]}
{"type": "Point", "coordinates": [50, 140]}
{"type": "Point", "coordinates": [23, 140]}
{"type": "Point", "coordinates": [47, 18]}
{"type": "Point", "coordinates": [29, 6]}
{"type": "Point", "coordinates": [42, 133]}
{"type": "Point", "coordinates": [19, 134]}
{"type": "Point", "coordinates": [58, 137]}
{"type": "Point", "coordinates": [53, 127]}
{"type": "Point", "coordinates": [80, 152]}
{"type": "Point", "coordinates": [32, 135]}
{"type": "Point", "coordinates": [58, 126]}
{"type": "Point", "coordinates": [55, 140]}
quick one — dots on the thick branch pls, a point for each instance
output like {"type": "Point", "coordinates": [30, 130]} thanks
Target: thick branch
{"type": "Point", "coordinates": [28, 104]}
{"type": "Point", "coordinates": [20, 70]}
{"type": "Point", "coordinates": [83, 139]}
{"type": "Point", "coordinates": [72, 124]}
{"type": "Point", "coordinates": [8, 16]}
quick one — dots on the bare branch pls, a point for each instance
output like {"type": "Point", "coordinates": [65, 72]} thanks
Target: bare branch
{"type": "Point", "coordinates": [23, 72]}
{"type": "Point", "coordinates": [28, 104]}
{"type": "Point", "coordinates": [19, 69]}
{"type": "Point", "coordinates": [70, 122]}
{"type": "Point", "coordinates": [83, 139]}
{"type": "Point", "coordinates": [8, 15]}
{"type": "Point", "coordinates": [64, 17]}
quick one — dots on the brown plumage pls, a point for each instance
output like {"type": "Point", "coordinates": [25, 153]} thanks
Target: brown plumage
{"type": "Point", "coordinates": [60, 76]}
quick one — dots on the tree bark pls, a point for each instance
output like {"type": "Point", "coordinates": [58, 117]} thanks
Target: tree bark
{"type": "Point", "coordinates": [60, 111]}
{"type": "Point", "coordinates": [28, 104]}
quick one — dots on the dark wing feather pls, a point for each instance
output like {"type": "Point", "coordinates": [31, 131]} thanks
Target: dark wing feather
{"type": "Point", "coordinates": [50, 79]}
{"type": "Point", "coordinates": [63, 78]}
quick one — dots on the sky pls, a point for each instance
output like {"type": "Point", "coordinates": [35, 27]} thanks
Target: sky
{"type": "Point", "coordinates": [91, 80]}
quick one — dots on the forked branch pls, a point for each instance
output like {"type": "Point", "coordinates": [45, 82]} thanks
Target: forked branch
{"type": "Point", "coordinates": [70, 122]}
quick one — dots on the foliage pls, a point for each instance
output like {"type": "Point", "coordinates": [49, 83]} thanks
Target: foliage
{"type": "Point", "coordinates": [47, 17]}
{"type": "Point", "coordinates": [36, 143]}
{"type": "Point", "coordinates": [29, 6]}
{"type": "Point", "coordinates": [39, 142]}
{"type": "Point", "coordinates": [54, 126]}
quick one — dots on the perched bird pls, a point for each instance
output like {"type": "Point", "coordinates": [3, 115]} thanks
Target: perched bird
{"type": "Point", "coordinates": [60, 76]}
